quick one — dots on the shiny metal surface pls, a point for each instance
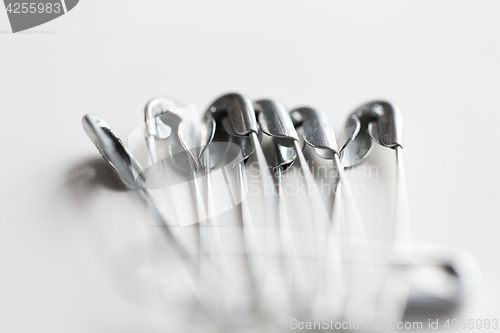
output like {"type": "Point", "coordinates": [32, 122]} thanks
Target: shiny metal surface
{"type": "Point", "coordinates": [112, 150]}
{"type": "Point", "coordinates": [246, 148]}
{"type": "Point", "coordinates": [240, 111]}
{"type": "Point", "coordinates": [207, 136]}
{"type": "Point", "coordinates": [189, 139]}
{"type": "Point", "coordinates": [183, 148]}
{"type": "Point", "coordinates": [199, 268]}
{"type": "Point", "coordinates": [373, 132]}
{"type": "Point", "coordinates": [351, 129]}
{"type": "Point", "coordinates": [389, 120]}
{"type": "Point", "coordinates": [358, 145]}
{"type": "Point", "coordinates": [234, 114]}
{"type": "Point", "coordinates": [382, 122]}
{"type": "Point", "coordinates": [390, 124]}
{"type": "Point", "coordinates": [228, 126]}
{"type": "Point", "coordinates": [180, 157]}
{"type": "Point", "coordinates": [277, 122]}
{"type": "Point", "coordinates": [317, 130]}
{"type": "Point", "coordinates": [274, 120]}
{"type": "Point", "coordinates": [166, 120]}
{"type": "Point", "coordinates": [216, 142]}
{"type": "Point", "coordinates": [127, 169]}
{"type": "Point", "coordinates": [283, 156]}
{"type": "Point", "coordinates": [232, 120]}
{"type": "Point", "coordinates": [239, 108]}
{"type": "Point", "coordinates": [318, 133]}
{"type": "Point", "coordinates": [156, 127]}
{"type": "Point", "coordinates": [416, 281]}
{"type": "Point", "coordinates": [379, 120]}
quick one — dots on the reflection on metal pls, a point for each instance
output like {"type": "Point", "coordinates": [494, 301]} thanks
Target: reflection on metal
{"type": "Point", "coordinates": [324, 272]}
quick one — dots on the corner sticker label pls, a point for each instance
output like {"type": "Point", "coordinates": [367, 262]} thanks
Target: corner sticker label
{"type": "Point", "coordinates": [27, 14]}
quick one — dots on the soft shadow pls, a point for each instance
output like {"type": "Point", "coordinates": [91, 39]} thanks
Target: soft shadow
{"type": "Point", "coordinates": [92, 173]}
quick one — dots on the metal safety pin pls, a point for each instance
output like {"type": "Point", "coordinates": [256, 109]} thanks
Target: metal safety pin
{"type": "Point", "coordinates": [156, 128]}
{"type": "Point", "coordinates": [164, 117]}
{"type": "Point", "coordinates": [128, 170]}
{"type": "Point", "coordinates": [254, 259]}
{"type": "Point", "coordinates": [382, 122]}
{"type": "Point", "coordinates": [183, 147]}
{"type": "Point", "coordinates": [215, 147]}
{"type": "Point", "coordinates": [275, 121]}
{"type": "Point", "coordinates": [236, 112]}
{"type": "Point", "coordinates": [240, 112]}
{"type": "Point", "coordinates": [318, 133]}
{"type": "Point", "coordinates": [255, 262]}
{"type": "Point", "coordinates": [210, 156]}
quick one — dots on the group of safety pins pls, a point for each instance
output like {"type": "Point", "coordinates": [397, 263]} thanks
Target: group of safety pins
{"type": "Point", "coordinates": [417, 278]}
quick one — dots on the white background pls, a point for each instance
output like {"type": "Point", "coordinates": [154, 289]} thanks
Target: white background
{"type": "Point", "coordinates": [72, 251]}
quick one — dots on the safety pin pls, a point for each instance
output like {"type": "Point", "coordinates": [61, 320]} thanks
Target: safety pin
{"type": "Point", "coordinates": [318, 133]}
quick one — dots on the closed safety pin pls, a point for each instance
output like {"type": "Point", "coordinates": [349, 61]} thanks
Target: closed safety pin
{"type": "Point", "coordinates": [128, 170]}
{"type": "Point", "coordinates": [240, 112]}
{"type": "Point", "coordinates": [156, 128]}
{"type": "Point", "coordinates": [381, 122]}
{"type": "Point", "coordinates": [318, 133]}
{"type": "Point", "coordinates": [275, 121]}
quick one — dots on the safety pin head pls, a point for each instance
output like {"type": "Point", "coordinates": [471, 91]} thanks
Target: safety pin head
{"type": "Point", "coordinates": [216, 142]}
{"type": "Point", "coordinates": [275, 121]}
{"type": "Point", "coordinates": [246, 148]}
{"type": "Point", "coordinates": [164, 117]}
{"type": "Point", "coordinates": [155, 125]}
{"type": "Point", "coordinates": [387, 124]}
{"type": "Point", "coordinates": [378, 121]}
{"type": "Point", "coordinates": [112, 149]}
{"type": "Point", "coordinates": [358, 143]}
{"type": "Point", "coordinates": [317, 130]}
{"type": "Point", "coordinates": [240, 111]}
